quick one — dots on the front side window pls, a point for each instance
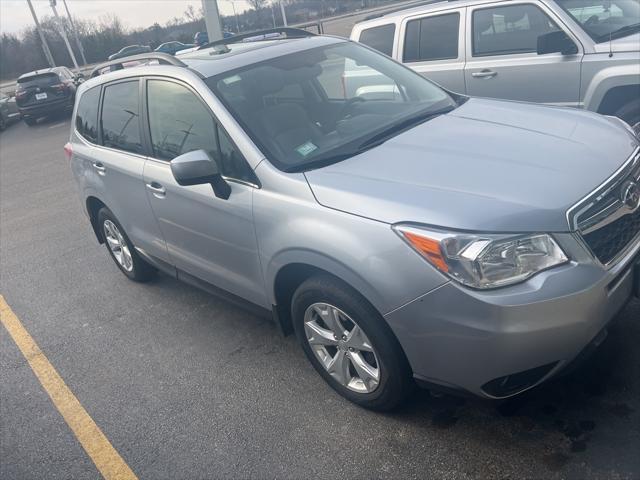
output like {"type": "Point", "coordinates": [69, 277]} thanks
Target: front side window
{"type": "Point", "coordinates": [354, 98]}
{"type": "Point", "coordinates": [509, 30]}
{"type": "Point", "coordinates": [604, 19]}
{"type": "Point", "coordinates": [179, 123]}
{"type": "Point", "coordinates": [120, 117]}
{"type": "Point", "coordinates": [380, 38]}
{"type": "Point", "coordinates": [87, 114]}
{"type": "Point", "coordinates": [432, 38]}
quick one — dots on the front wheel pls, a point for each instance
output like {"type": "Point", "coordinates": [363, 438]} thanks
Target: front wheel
{"type": "Point", "coordinates": [349, 344]}
{"type": "Point", "coordinates": [30, 121]}
{"type": "Point", "coordinates": [122, 250]}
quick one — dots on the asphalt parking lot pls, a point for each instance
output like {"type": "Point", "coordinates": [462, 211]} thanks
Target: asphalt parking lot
{"type": "Point", "coordinates": [186, 386]}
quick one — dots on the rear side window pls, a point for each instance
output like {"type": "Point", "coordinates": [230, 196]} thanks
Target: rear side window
{"type": "Point", "coordinates": [432, 38]}
{"type": "Point", "coordinates": [509, 30]}
{"type": "Point", "coordinates": [87, 114]}
{"type": "Point", "coordinates": [380, 38]}
{"type": "Point", "coordinates": [120, 117]}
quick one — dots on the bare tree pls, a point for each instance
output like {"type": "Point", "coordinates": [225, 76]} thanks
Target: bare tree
{"type": "Point", "coordinates": [257, 4]}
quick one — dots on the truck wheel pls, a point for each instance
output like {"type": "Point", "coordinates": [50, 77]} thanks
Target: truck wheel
{"type": "Point", "coordinates": [630, 113]}
{"type": "Point", "coordinates": [3, 123]}
{"type": "Point", "coordinates": [30, 121]}
{"type": "Point", "coordinates": [122, 250]}
{"type": "Point", "coordinates": [349, 344]}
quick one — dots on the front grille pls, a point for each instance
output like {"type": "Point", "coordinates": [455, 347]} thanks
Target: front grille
{"type": "Point", "coordinates": [607, 223]}
{"type": "Point", "coordinates": [607, 242]}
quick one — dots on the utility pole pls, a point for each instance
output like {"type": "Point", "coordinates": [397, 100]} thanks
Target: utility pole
{"type": "Point", "coordinates": [75, 32]}
{"type": "Point", "coordinates": [212, 20]}
{"type": "Point", "coordinates": [45, 45]}
{"type": "Point", "coordinates": [284, 14]}
{"type": "Point", "coordinates": [63, 33]}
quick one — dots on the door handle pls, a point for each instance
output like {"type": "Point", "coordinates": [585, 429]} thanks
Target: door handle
{"type": "Point", "coordinates": [99, 167]}
{"type": "Point", "coordinates": [158, 190]}
{"type": "Point", "coordinates": [484, 74]}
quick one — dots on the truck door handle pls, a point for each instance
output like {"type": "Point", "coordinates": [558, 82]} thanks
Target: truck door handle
{"type": "Point", "coordinates": [484, 74]}
{"type": "Point", "coordinates": [158, 190]}
{"type": "Point", "coordinates": [99, 167]}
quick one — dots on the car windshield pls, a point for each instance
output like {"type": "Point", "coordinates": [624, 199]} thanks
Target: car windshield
{"type": "Point", "coordinates": [605, 19]}
{"type": "Point", "coordinates": [38, 80]}
{"type": "Point", "coordinates": [319, 106]}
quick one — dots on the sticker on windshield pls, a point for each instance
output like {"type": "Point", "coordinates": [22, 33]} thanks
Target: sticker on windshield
{"type": "Point", "coordinates": [306, 149]}
{"type": "Point", "coordinates": [232, 80]}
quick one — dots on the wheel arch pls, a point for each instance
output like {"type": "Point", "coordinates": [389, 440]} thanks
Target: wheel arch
{"type": "Point", "coordinates": [93, 205]}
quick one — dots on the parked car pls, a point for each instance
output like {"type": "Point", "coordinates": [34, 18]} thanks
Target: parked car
{"type": "Point", "coordinates": [45, 92]}
{"type": "Point", "coordinates": [578, 53]}
{"type": "Point", "coordinates": [173, 47]}
{"type": "Point", "coordinates": [469, 244]}
{"type": "Point", "coordinates": [130, 50]}
{"type": "Point", "coordinates": [8, 111]}
{"type": "Point", "coordinates": [201, 38]}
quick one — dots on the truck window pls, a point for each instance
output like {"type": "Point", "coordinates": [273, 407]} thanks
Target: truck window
{"type": "Point", "coordinates": [380, 38]}
{"type": "Point", "coordinates": [432, 38]}
{"type": "Point", "coordinates": [509, 30]}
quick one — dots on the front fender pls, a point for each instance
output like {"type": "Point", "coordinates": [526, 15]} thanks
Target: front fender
{"type": "Point", "coordinates": [604, 80]}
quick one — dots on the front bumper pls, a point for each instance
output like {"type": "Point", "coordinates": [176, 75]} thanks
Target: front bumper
{"type": "Point", "coordinates": [498, 343]}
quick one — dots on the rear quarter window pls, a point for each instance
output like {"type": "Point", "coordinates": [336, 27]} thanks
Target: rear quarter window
{"type": "Point", "coordinates": [381, 38]}
{"type": "Point", "coordinates": [87, 115]}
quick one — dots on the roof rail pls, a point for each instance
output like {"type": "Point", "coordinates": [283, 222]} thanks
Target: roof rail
{"type": "Point", "coordinates": [261, 35]}
{"type": "Point", "coordinates": [164, 58]}
{"type": "Point", "coordinates": [399, 9]}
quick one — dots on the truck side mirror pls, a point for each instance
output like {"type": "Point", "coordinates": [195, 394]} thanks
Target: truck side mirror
{"type": "Point", "coordinates": [556, 42]}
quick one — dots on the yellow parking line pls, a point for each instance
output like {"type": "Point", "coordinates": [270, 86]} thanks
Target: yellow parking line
{"type": "Point", "coordinates": [107, 460]}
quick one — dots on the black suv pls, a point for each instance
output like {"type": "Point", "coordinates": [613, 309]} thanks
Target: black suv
{"type": "Point", "coordinates": [44, 92]}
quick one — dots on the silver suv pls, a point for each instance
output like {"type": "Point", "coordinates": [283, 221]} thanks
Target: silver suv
{"type": "Point", "coordinates": [578, 53]}
{"type": "Point", "coordinates": [476, 245]}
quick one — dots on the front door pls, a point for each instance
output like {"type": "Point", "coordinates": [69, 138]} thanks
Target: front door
{"type": "Point", "coordinates": [208, 237]}
{"type": "Point", "coordinates": [502, 59]}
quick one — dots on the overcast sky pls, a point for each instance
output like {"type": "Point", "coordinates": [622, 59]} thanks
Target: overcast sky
{"type": "Point", "coordinates": [15, 15]}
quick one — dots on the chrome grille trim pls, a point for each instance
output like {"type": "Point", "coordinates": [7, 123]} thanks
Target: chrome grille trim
{"type": "Point", "coordinates": [631, 166]}
{"type": "Point", "coordinates": [604, 206]}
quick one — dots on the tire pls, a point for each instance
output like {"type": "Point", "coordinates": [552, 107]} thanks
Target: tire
{"type": "Point", "coordinates": [3, 123]}
{"type": "Point", "coordinates": [394, 380]}
{"type": "Point", "coordinates": [30, 121]}
{"type": "Point", "coordinates": [630, 112]}
{"type": "Point", "coordinates": [128, 261]}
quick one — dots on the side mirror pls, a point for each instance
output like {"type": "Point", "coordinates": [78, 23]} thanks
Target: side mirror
{"type": "Point", "coordinates": [556, 42]}
{"type": "Point", "coordinates": [198, 168]}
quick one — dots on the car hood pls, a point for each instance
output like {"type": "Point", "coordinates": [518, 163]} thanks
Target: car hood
{"type": "Point", "coordinates": [488, 166]}
{"type": "Point", "coordinates": [630, 43]}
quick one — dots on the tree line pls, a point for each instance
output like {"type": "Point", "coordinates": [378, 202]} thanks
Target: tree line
{"type": "Point", "coordinates": [20, 53]}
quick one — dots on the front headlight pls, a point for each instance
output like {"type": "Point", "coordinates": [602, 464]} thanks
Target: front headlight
{"type": "Point", "coordinates": [484, 260]}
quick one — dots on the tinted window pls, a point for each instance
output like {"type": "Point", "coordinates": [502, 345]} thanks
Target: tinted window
{"type": "Point", "coordinates": [87, 114]}
{"type": "Point", "coordinates": [380, 38]}
{"type": "Point", "coordinates": [296, 136]}
{"type": "Point", "coordinates": [432, 38]}
{"type": "Point", "coordinates": [120, 117]}
{"type": "Point", "coordinates": [509, 30]}
{"type": "Point", "coordinates": [41, 80]}
{"type": "Point", "coordinates": [181, 123]}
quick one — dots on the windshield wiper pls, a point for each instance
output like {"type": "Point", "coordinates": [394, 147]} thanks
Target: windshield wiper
{"type": "Point", "coordinates": [399, 127]}
{"type": "Point", "coordinates": [620, 32]}
{"type": "Point", "coordinates": [373, 141]}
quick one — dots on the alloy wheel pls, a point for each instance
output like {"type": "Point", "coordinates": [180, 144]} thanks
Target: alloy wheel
{"type": "Point", "coordinates": [342, 347]}
{"type": "Point", "coordinates": [118, 245]}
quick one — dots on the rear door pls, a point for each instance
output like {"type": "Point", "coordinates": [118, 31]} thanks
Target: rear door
{"type": "Point", "coordinates": [210, 238]}
{"type": "Point", "coordinates": [503, 62]}
{"type": "Point", "coordinates": [433, 45]}
{"type": "Point", "coordinates": [116, 165]}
